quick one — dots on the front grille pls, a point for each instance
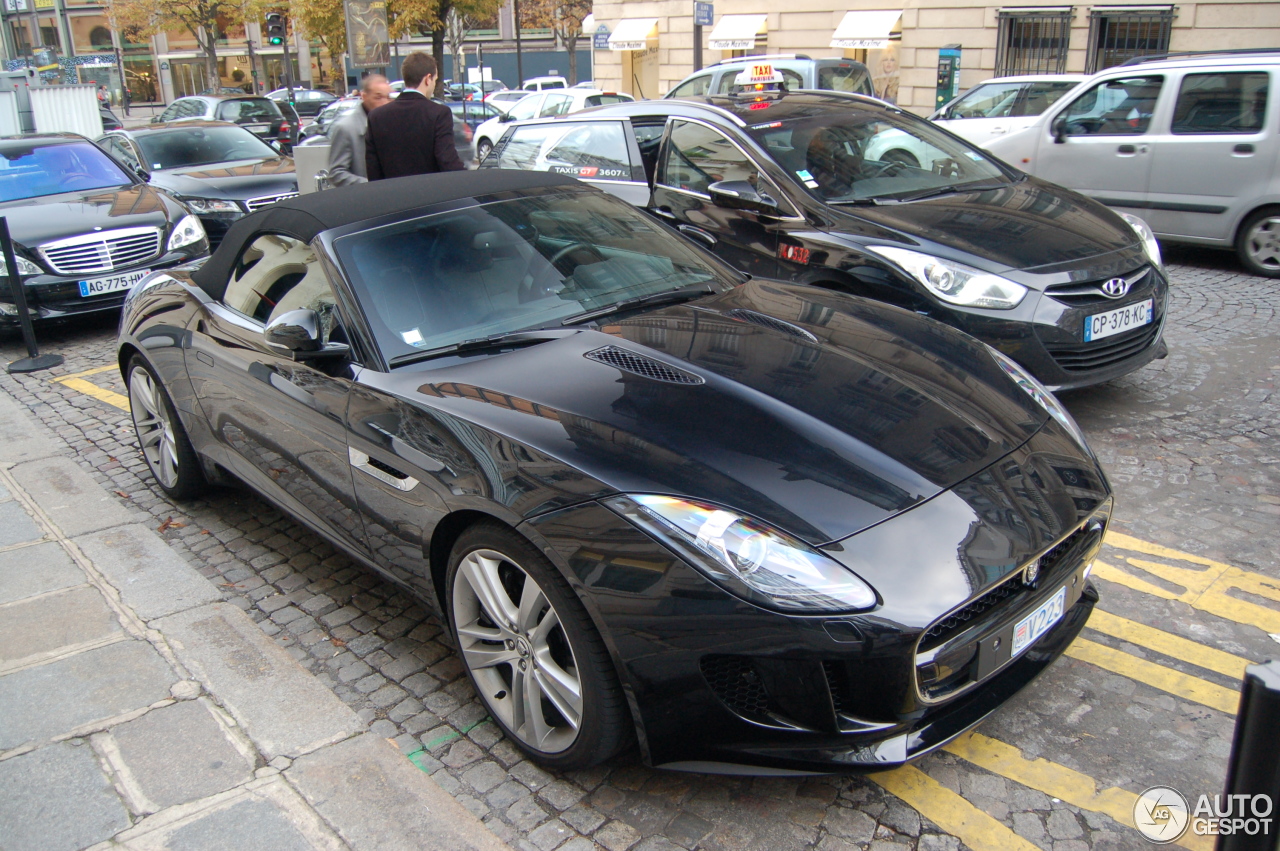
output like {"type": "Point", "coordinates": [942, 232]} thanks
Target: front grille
{"type": "Point", "coordinates": [628, 361]}
{"type": "Point", "coordinates": [102, 252]}
{"type": "Point", "coordinates": [1088, 293]}
{"type": "Point", "coordinates": [766, 321]}
{"type": "Point", "coordinates": [736, 682]}
{"type": "Point", "coordinates": [1084, 357]}
{"type": "Point", "coordinates": [255, 204]}
{"type": "Point", "coordinates": [837, 682]}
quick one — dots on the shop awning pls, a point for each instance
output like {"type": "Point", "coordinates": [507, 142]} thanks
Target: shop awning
{"type": "Point", "coordinates": [633, 33]}
{"type": "Point", "coordinates": [737, 32]}
{"type": "Point", "coordinates": [869, 29]}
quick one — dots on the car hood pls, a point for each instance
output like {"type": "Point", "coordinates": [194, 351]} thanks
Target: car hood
{"type": "Point", "coordinates": [235, 181]}
{"type": "Point", "coordinates": [819, 413]}
{"type": "Point", "coordinates": [1024, 225]}
{"type": "Point", "coordinates": [54, 217]}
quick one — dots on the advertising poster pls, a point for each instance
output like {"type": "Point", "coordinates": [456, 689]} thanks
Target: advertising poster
{"type": "Point", "coordinates": [367, 41]}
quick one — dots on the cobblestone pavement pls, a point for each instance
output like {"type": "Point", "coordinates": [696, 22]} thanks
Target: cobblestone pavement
{"type": "Point", "coordinates": [1192, 447]}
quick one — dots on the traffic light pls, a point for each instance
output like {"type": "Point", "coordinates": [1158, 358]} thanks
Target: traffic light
{"type": "Point", "coordinates": [275, 28]}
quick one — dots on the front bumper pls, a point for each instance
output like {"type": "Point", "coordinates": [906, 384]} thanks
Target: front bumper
{"type": "Point", "coordinates": [717, 684]}
{"type": "Point", "coordinates": [55, 297]}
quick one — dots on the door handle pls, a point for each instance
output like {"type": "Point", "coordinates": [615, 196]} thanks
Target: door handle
{"type": "Point", "coordinates": [1126, 150]}
{"type": "Point", "coordinates": [697, 233]}
{"type": "Point", "coordinates": [664, 213]}
{"type": "Point", "coordinates": [384, 473]}
{"type": "Point", "coordinates": [1242, 148]}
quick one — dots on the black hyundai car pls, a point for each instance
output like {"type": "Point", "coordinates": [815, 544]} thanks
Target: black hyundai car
{"type": "Point", "coordinates": [84, 228]}
{"type": "Point", "coordinates": [850, 193]}
{"type": "Point", "coordinates": [220, 170]}
{"type": "Point", "coordinates": [743, 523]}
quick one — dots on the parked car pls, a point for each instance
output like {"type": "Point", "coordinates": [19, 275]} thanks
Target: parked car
{"type": "Point", "coordinates": [1183, 141]}
{"type": "Point", "coordinates": [790, 186]}
{"type": "Point", "coordinates": [84, 228]}
{"type": "Point", "coordinates": [220, 170]}
{"type": "Point", "coordinates": [109, 119]}
{"type": "Point", "coordinates": [542, 84]}
{"type": "Point", "coordinates": [473, 112]}
{"type": "Point", "coordinates": [306, 102]}
{"type": "Point", "coordinates": [742, 523]}
{"type": "Point", "coordinates": [798, 71]}
{"type": "Point", "coordinates": [331, 113]}
{"type": "Point", "coordinates": [262, 116]}
{"type": "Point", "coordinates": [507, 98]}
{"type": "Point", "coordinates": [541, 105]}
{"type": "Point", "coordinates": [1003, 105]}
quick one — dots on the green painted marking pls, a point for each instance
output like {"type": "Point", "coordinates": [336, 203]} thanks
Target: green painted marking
{"type": "Point", "coordinates": [449, 737]}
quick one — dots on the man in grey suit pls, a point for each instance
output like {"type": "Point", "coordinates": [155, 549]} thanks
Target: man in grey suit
{"type": "Point", "coordinates": [346, 136]}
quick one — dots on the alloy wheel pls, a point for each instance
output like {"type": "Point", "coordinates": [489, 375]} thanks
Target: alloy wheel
{"type": "Point", "coordinates": [512, 641]}
{"type": "Point", "coordinates": [1263, 243]}
{"type": "Point", "coordinates": [154, 427]}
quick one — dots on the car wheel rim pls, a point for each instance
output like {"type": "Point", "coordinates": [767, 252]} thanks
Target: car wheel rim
{"type": "Point", "coordinates": [516, 649]}
{"type": "Point", "coordinates": [1263, 244]}
{"type": "Point", "coordinates": [155, 430]}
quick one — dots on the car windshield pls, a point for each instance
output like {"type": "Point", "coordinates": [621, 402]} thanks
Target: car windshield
{"type": "Point", "coordinates": [532, 262]}
{"type": "Point", "coordinates": [245, 110]}
{"type": "Point", "coordinates": [1008, 100]}
{"type": "Point", "coordinates": [201, 146]}
{"type": "Point", "coordinates": [33, 171]}
{"type": "Point", "coordinates": [863, 156]}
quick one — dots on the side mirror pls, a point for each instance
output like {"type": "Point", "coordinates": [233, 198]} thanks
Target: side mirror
{"type": "Point", "coordinates": [1059, 130]}
{"type": "Point", "coordinates": [741, 195]}
{"type": "Point", "coordinates": [155, 119]}
{"type": "Point", "coordinates": [142, 173]}
{"type": "Point", "coordinates": [299, 332]}
{"type": "Point", "coordinates": [504, 118]}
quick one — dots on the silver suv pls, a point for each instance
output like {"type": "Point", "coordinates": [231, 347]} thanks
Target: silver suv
{"type": "Point", "coordinates": [799, 71]}
{"type": "Point", "coordinates": [1188, 142]}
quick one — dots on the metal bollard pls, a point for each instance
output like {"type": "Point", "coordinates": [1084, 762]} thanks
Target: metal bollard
{"type": "Point", "coordinates": [1254, 768]}
{"type": "Point", "coordinates": [34, 361]}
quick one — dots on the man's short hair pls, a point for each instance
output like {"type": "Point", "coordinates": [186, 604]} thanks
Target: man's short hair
{"type": "Point", "coordinates": [416, 68]}
{"type": "Point", "coordinates": [370, 79]}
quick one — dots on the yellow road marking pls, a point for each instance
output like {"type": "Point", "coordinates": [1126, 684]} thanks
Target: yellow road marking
{"type": "Point", "coordinates": [1058, 781]}
{"type": "Point", "coordinates": [1157, 676]}
{"type": "Point", "coordinates": [1174, 646]}
{"type": "Point", "coordinates": [76, 381]}
{"type": "Point", "coordinates": [950, 811]}
{"type": "Point", "coordinates": [1206, 590]}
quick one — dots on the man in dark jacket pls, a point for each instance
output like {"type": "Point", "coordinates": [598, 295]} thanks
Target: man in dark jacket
{"type": "Point", "coordinates": [413, 134]}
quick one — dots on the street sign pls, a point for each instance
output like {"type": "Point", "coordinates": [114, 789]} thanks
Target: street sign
{"type": "Point", "coordinates": [703, 13]}
{"type": "Point", "coordinates": [600, 41]}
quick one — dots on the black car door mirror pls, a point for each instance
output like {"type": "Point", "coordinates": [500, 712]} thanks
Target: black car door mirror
{"type": "Point", "coordinates": [299, 332]}
{"type": "Point", "coordinates": [1060, 130]}
{"type": "Point", "coordinates": [142, 173]}
{"type": "Point", "coordinates": [741, 195]}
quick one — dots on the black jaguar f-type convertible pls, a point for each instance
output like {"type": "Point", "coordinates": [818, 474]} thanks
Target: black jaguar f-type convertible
{"type": "Point", "coordinates": [756, 527]}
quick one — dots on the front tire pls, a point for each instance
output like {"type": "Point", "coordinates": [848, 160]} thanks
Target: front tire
{"type": "Point", "coordinates": [161, 437]}
{"type": "Point", "coordinates": [1258, 243]}
{"type": "Point", "coordinates": [483, 149]}
{"type": "Point", "coordinates": [532, 652]}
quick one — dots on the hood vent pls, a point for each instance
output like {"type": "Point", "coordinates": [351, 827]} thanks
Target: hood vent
{"type": "Point", "coordinates": [766, 321]}
{"type": "Point", "coordinates": [629, 361]}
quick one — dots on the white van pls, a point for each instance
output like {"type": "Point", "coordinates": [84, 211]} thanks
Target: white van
{"type": "Point", "coordinates": [541, 84]}
{"type": "Point", "coordinates": [1187, 142]}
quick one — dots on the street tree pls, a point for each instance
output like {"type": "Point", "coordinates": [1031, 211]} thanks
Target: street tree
{"type": "Point", "coordinates": [564, 19]}
{"type": "Point", "coordinates": [206, 20]}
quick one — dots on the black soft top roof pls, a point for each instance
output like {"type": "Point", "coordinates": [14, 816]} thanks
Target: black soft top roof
{"type": "Point", "coordinates": [307, 215]}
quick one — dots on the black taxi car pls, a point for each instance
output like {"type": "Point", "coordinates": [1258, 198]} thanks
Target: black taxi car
{"type": "Point", "coordinates": [851, 193]}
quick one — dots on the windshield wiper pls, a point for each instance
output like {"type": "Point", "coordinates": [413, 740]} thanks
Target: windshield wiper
{"type": "Point", "coordinates": [669, 297]}
{"type": "Point", "coordinates": [953, 189]}
{"type": "Point", "coordinates": [854, 202]}
{"type": "Point", "coordinates": [527, 337]}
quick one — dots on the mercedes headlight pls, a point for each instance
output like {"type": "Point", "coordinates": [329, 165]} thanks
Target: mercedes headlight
{"type": "Point", "coordinates": [1041, 394]}
{"type": "Point", "coordinates": [26, 268]}
{"type": "Point", "coordinates": [212, 205]}
{"type": "Point", "coordinates": [1148, 237]}
{"type": "Point", "coordinates": [955, 282]}
{"type": "Point", "coordinates": [746, 557]}
{"type": "Point", "coordinates": [186, 232]}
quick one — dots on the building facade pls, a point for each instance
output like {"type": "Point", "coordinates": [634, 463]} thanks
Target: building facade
{"type": "Point", "coordinates": [910, 46]}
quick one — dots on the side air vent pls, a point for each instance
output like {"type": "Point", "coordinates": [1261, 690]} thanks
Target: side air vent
{"type": "Point", "coordinates": [766, 321]}
{"type": "Point", "coordinates": [736, 682]}
{"type": "Point", "coordinates": [629, 361]}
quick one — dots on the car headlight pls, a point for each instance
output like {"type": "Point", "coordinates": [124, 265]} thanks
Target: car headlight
{"type": "Point", "coordinates": [954, 282]}
{"type": "Point", "coordinates": [1041, 394]}
{"type": "Point", "coordinates": [746, 557]}
{"type": "Point", "coordinates": [1148, 237]}
{"type": "Point", "coordinates": [212, 205]}
{"type": "Point", "coordinates": [187, 231]}
{"type": "Point", "coordinates": [26, 267]}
